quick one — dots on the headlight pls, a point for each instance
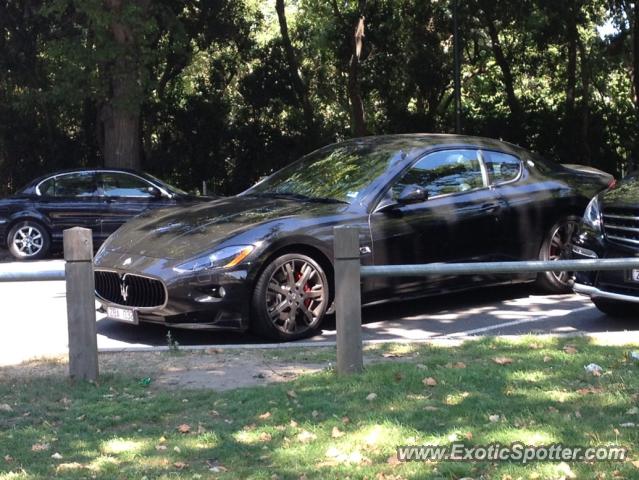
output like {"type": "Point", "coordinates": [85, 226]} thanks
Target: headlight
{"type": "Point", "coordinates": [225, 258]}
{"type": "Point", "coordinates": [592, 215]}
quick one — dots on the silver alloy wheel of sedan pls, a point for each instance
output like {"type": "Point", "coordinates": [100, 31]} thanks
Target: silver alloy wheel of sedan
{"type": "Point", "coordinates": [559, 248]}
{"type": "Point", "coordinates": [28, 241]}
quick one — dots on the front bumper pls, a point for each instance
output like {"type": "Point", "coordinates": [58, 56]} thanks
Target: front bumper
{"type": "Point", "coordinates": [613, 285]}
{"type": "Point", "coordinates": [594, 292]}
{"type": "Point", "coordinates": [215, 299]}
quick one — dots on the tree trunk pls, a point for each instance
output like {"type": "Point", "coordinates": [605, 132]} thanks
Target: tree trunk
{"type": "Point", "coordinates": [509, 83]}
{"type": "Point", "coordinates": [635, 80]}
{"type": "Point", "coordinates": [120, 115]}
{"type": "Point", "coordinates": [358, 118]}
{"type": "Point", "coordinates": [300, 87]}
{"type": "Point", "coordinates": [584, 141]}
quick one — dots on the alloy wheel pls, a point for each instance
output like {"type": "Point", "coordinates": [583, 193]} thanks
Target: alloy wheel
{"type": "Point", "coordinates": [559, 247]}
{"type": "Point", "coordinates": [296, 296]}
{"type": "Point", "coordinates": [28, 241]}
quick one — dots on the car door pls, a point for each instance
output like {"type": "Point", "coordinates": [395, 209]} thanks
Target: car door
{"type": "Point", "coordinates": [459, 222]}
{"type": "Point", "coordinates": [70, 200]}
{"type": "Point", "coordinates": [126, 196]}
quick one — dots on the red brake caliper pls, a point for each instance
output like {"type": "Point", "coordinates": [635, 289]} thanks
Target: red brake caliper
{"type": "Point", "coordinates": [298, 275]}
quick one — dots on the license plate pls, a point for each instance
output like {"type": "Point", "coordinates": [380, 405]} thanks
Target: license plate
{"type": "Point", "coordinates": [634, 275]}
{"type": "Point", "coordinates": [122, 315]}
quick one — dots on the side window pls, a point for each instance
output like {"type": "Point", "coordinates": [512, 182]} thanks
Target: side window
{"type": "Point", "coordinates": [441, 173]}
{"type": "Point", "coordinates": [47, 188]}
{"type": "Point", "coordinates": [501, 167]}
{"type": "Point", "coordinates": [123, 185]}
{"type": "Point", "coordinates": [73, 185]}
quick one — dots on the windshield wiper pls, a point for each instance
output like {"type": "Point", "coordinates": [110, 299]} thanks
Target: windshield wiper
{"type": "Point", "coordinates": [299, 196]}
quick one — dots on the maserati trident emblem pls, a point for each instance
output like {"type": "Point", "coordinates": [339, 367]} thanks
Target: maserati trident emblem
{"type": "Point", "coordinates": [124, 289]}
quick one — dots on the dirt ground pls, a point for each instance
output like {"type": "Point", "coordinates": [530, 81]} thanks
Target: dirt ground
{"type": "Point", "coordinates": [209, 369]}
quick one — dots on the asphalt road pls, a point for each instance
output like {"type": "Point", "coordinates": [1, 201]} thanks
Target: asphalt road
{"type": "Point", "coordinates": [33, 317]}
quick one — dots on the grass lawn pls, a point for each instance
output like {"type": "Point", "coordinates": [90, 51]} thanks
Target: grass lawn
{"type": "Point", "coordinates": [322, 426]}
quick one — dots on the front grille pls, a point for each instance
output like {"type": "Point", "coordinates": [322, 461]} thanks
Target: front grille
{"type": "Point", "coordinates": [129, 290]}
{"type": "Point", "coordinates": [622, 225]}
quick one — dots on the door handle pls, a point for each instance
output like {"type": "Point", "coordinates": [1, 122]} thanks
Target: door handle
{"type": "Point", "coordinates": [491, 207]}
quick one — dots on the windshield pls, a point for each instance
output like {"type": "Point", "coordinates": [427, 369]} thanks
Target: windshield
{"type": "Point", "coordinates": [339, 172]}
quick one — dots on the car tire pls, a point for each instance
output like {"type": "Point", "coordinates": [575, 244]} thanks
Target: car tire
{"type": "Point", "coordinates": [290, 298]}
{"type": "Point", "coordinates": [29, 240]}
{"type": "Point", "coordinates": [556, 246]}
{"type": "Point", "coordinates": [616, 308]}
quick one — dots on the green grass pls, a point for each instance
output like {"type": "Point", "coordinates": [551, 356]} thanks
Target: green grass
{"type": "Point", "coordinates": [122, 429]}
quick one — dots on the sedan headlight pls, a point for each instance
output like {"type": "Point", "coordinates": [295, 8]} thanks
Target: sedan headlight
{"type": "Point", "coordinates": [592, 215]}
{"type": "Point", "coordinates": [224, 258]}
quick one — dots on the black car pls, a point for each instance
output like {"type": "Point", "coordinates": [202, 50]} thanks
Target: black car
{"type": "Point", "coordinates": [609, 229]}
{"type": "Point", "coordinates": [263, 259]}
{"type": "Point", "coordinates": [33, 219]}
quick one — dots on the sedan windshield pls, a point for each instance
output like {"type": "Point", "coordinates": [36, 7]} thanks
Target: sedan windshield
{"type": "Point", "coordinates": [338, 173]}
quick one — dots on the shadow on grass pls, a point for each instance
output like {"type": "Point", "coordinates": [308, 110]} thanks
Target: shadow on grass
{"type": "Point", "coordinates": [323, 426]}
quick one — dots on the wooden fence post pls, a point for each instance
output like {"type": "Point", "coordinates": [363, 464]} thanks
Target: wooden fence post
{"type": "Point", "coordinates": [348, 306]}
{"type": "Point", "coordinates": [83, 342]}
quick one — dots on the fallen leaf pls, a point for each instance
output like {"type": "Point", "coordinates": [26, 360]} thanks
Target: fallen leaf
{"type": "Point", "coordinates": [628, 425]}
{"type": "Point", "coordinates": [399, 376]}
{"type": "Point", "coordinates": [346, 420]}
{"type": "Point", "coordinates": [5, 407]}
{"type": "Point", "coordinates": [421, 366]}
{"type": "Point", "coordinates": [160, 448]}
{"type": "Point", "coordinates": [564, 468]}
{"type": "Point", "coordinates": [180, 465]}
{"type": "Point", "coordinates": [393, 460]}
{"type": "Point", "coordinates": [291, 394]}
{"type": "Point", "coordinates": [214, 413]}
{"type": "Point", "coordinates": [429, 381]}
{"type": "Point", "coordinates": [577, 414]}
{"type": "Point", "coordinates": [552, 410]}
{"type": "Point", "coordinates": [265, 415]}
{"type": "Point", "coordinates": [430, 408]}
{"type": "Point", "coordinates": [303, 477]}
{"type": "Point", "coordinates": [503, 360]}
{"type": "Point", "coordinates": [547, 359]}
{"type": "Point", "coordinates": [293, 424]}
{"type": "Point", "coordinates": [391, 355]}
{"type": "Point", "coordinates": [306, 437]}
{"type": "Point", "coordinates": [39, 447]}
{"type": "Point", "coordinates": [177, 449]}
{"type": "Point", "coordinates": [570, 349]}
{"type": "Point", "coordinates": [633, 411]}
{"type": "Point", "coordinates": [265, 437]}
{"type": "Point", "coordinates": [469, 435]}
{"type": "Point", "coordinates": [459, 365]}
{"type": "Point", "coordinates": [8, 458]}
{"type": "Point", "coordinates": [493, 418]}
{"type": "Point", "coordinates": [315, 414]}
{"type": "Point", "coordinates": [56, 456]}
{"type": "Point", "coordinates": [636, 464]}
{"type": "Point", "coordinates": [184, 428]}
{"type": "Point", "coordinates": [535, 346]}
{"type": "Point", "coordinates": [66, 467]}
{"type": "Point", "coordinates": [336, 433]}
{"type": "Point", "coordinates": [371, 396]}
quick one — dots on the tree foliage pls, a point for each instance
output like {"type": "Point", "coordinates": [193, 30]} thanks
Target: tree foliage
{"type": "Point", "coordinates": [228, 90]}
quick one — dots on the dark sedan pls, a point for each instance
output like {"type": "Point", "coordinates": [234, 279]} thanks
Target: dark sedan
{"type": "Point", "coordinates": [610, 228]}
{"type": "Point", "coordinates": [32, 220]}
{"type": "Point", "coordinates": [263, 259]}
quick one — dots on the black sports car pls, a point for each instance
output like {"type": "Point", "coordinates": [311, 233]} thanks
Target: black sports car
{"type": "Point", "coordinates": [263, 259]}
{"type": "Point", "coordinates": [609, 229]}
{"type": "Point", "coordinates": [32, 220]}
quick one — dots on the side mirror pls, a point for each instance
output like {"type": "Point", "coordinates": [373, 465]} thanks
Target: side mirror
{"type": "Point", "coordinates": [154, 192]}
{"type": "Point", "coordinates": [412, 194]}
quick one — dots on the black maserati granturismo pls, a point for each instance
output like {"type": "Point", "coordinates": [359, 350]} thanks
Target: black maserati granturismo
{"type": "Point", "coordinates": [263, 259]}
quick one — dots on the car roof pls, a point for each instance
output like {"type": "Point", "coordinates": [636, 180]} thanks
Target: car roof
{"type": "Point", "coordinates": [429, 140]}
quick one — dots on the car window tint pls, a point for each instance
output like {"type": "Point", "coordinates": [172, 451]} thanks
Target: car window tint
{"type": "Point", "coordinates": [75, 185]}
{"type": "Point", "coordinates": [123, 185]}
{"type": "Point", "coordinates": [501, 167]}
{"type": "Point", "coordinates": [441, 173]}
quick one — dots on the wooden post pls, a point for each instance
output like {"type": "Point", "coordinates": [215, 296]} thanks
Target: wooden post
{"type": "Point", "coordinates": [348, 307]}
{"type": "Point", "coordinates": [83, 342]}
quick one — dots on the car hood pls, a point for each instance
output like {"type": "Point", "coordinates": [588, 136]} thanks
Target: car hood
{"type": "Point", "coordinates": [184, 232]}
{"type": "Point", "coordinates": [625, 194]}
